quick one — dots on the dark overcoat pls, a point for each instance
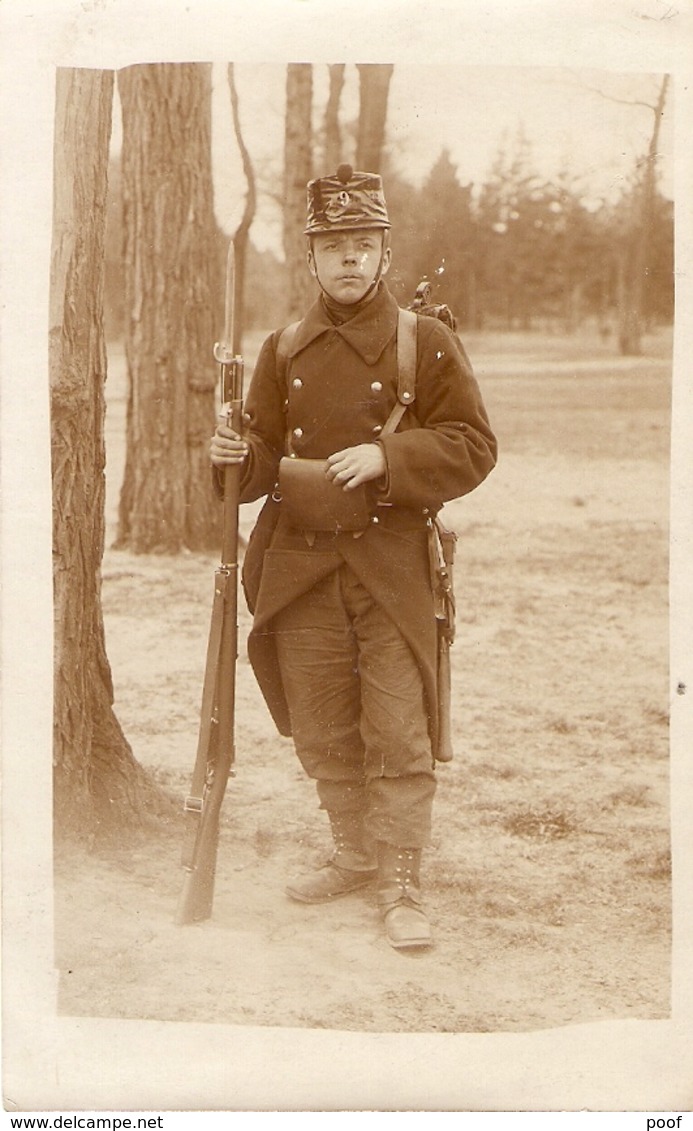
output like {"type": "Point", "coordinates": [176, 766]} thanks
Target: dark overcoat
{"type": "Point", "coordinates": [338, 390]}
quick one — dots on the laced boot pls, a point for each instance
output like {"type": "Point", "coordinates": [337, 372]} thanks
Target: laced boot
{"type": "Point", "coordinates": [351, 866]}
{"type": "Point", "coordinates": [399, 897]}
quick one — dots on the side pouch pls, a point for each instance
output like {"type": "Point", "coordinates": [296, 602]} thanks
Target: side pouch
{"type": "Point", "coordinates": [311, 501]}
{"type": "Point", "coordinates": [254, 557]}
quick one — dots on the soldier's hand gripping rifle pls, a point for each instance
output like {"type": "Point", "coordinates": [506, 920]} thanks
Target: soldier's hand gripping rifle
{"type": "Point", "coordinates": [216, 744]}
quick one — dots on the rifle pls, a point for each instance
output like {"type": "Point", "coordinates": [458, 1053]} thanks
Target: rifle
{"type": "Point", "coordinates": [216, 745]}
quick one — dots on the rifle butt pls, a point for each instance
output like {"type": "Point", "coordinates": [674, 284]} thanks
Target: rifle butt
{"type": "Point", "coordinates": [215, 749]}
{"type": "Point", "coordinates": [192, 906]}
{"type": "Point", "coordinates": [197, 895]}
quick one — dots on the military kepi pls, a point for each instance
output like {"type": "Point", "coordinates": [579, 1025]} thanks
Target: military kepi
{"type": "Point", "coordinates": [346, 200]}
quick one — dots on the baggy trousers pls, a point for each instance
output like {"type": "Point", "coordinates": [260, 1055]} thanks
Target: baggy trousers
{"type": "Point", "coordinates": [357, 708]}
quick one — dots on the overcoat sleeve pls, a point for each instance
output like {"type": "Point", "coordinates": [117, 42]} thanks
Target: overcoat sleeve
{"type": "Point", "coordinates": [448, 449]}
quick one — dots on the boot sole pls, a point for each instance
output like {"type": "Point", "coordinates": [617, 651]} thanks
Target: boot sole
{"type": "Point", "coordinates": [411, 944]}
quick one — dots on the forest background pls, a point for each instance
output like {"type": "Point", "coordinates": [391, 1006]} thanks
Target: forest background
{"type": "Point", "coordinates": [523, 213]}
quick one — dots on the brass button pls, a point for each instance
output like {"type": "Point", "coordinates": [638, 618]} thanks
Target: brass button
{"type": "Point", "coordinates": [377, 386]}
{"type": "Point", "coordinates": [298, 432]}
{"type": "Point", "coordinates": [378, 428]}
{"type": "Point", "coordinates": [375, 518]}
{"type": "Point", "coordinates": [297, 383]}
{"type": "Point", "coordinates": [406, 396]}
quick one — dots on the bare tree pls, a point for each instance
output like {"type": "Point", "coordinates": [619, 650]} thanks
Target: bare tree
{"type": "Point", "coordinates": [374, 88]}
{"type": "Point", "coordinates": [240, 239]}
{"type": "Point", "coordinates": [97, 779]}
{"type": "Point", "coordinates": [636, 221]}
{"type": "Point", "coordinates": [333, 135]}
{"type": "Point", "coordinates": [635, 246]}
{"type": "Point", "coordinates": [171, 294]}
{"type": "Point", "coordinates": [298, 139]}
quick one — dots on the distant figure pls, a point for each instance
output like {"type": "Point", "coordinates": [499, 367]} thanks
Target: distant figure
{"type": "Point", "coordinates": [337, 569]}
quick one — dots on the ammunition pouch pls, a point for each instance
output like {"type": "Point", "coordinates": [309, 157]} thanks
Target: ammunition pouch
{"type": "Point", "coordinates": [311, 501]}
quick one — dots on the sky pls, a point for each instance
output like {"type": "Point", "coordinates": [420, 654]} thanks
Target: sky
{"type": "Point", "coordinates": [585, 122]}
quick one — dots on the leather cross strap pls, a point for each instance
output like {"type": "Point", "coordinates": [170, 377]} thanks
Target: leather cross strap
{"type": "Point", "coordinates": [406, 369]}
{"type": "Point", "coordinates": [284, 346]}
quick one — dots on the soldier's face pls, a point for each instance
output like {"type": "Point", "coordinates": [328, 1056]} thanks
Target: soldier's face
{"type": "Point", "coordinates": [346, 263]}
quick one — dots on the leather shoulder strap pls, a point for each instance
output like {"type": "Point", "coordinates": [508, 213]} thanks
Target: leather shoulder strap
{"type": "Point", "coordinates": [284, 345]}
{"type": "Point", "coordinates": [406, 369]}
{"type": "Point", "coordinates": [406, 356]}
{"type": "Point", "coordinates": [286, 341]}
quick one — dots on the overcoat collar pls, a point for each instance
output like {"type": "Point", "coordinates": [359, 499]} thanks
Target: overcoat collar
{"type": "Point", "coordinates": [368, 332]}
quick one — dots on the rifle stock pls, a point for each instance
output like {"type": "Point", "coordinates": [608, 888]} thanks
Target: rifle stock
{"type": "Point", "coordinates": [216, 740]}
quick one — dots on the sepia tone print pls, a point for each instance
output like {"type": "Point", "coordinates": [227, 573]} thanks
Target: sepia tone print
{"type": "Point", "coordinates": [547, 875]}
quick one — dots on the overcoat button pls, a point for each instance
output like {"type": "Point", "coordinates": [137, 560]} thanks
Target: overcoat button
{"type": "Point", "coordinates": [298, 432]}
{"type": "Point", "coordinates": [297, 383]}
{"type": "Point", "coordinates": [406, 396]}
{"type": "Point", "coordinates": [378, 428]}
{"type": "Point", "coordinates": [377, 386]}
{"type": "Point", "coordinates": [375, 519]}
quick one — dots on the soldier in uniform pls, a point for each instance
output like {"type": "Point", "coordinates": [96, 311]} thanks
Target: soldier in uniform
{"type": "Point", "coordinates": [344, 639]}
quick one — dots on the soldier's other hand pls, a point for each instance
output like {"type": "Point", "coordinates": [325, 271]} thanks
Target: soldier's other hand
{"type": "Point", "coordinates": [353, 466]}
{"type": "Point", "coordinates": [227, 447]}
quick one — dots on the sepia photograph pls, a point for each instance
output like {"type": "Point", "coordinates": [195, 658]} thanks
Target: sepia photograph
{"type": "Point", "coordinates": [358, 450]}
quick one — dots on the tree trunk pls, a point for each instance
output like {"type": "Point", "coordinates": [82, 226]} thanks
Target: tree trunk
{"type": "Point", "coordinates": [629, 292]}
{"type": "Point", "coordinates": [172, 288]}
{"type": "Point", "coordinates": [96, 777]}
{"type": "Point", "coordinates": [297, 172]}
{"type": "Point", "coordinates": [374, 87]}
{"type": "Point", "coordinates": [333, 136]}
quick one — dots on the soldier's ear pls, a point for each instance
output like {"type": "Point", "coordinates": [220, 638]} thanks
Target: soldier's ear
{"type": "Point", "coordinates": [387, 260]}
{"type": "Point", "coordinates": [311, 262]}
